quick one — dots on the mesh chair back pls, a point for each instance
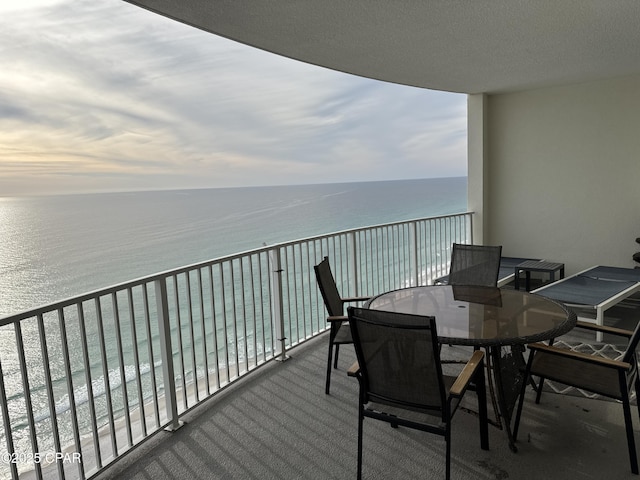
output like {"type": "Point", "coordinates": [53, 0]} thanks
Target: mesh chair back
{"type": "Point", "coordinates": [399, 361]}
{"type": "Point", "coordinates": [328, 289]}
{"type": "Point", "coordinates": [632, 346]}
{"type": "Point", "coordinates": [631, 356]}
{"type": "Point", "coordinates": [475, 265]}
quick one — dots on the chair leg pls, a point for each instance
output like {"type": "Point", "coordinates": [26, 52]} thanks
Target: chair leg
{"type": "Point", "coordinates": [481, 391]}
{"type": "Point", "coordinates": [523, 390]}
{"type": "Point", "coordinates": [539, 390]}
{"type": "Point", "coordinates": [328, 381]}
{"type": "Point", "coordinates": [637, 387]}
{"type": "Point", "coordinates": [394, 424]}
{"type": "Point", "coordinates": [360, 421]}
{"type": "Point", "coordinates": [633, 457]}
{"type": "Point", "coordinates": [335, 359]}
{"type": "Point", "coordinates": [516, 424]}
{"type": "Point", "coordinates": [447, 439]}
{"type": "Point", "coordinates": [332, 336]}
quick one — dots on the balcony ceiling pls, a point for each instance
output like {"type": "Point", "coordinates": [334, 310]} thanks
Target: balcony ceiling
{"type": "Point", "coordinates": [460, 46]}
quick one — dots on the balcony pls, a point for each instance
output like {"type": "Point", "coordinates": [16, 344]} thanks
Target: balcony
{"type": "Point", "coordinates": [96, 375]}
{"type": "Point", "coordinates": [543, 179]}
{"type": "Point", "coordinates": [229, 406]}
{"type": "Point", "coordinates": [77, 375]}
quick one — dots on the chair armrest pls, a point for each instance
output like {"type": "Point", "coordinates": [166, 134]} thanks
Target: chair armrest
{"type": "Point", "coordinates": [602, 328]}
{"type": "Point", "coordinates": [583, 357]}
{"type": "Point", "coordinates": [337, 318]}
{"type": "Point", "coordinates": [353, 370]}
{"type": "Point", "coordinates": [462, 382]}
{"type": "Point", "coordinates": [355, 299]}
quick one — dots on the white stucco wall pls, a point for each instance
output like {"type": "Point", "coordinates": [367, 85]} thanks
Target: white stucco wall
{"type": "Point", "coordinates": [563, 173]}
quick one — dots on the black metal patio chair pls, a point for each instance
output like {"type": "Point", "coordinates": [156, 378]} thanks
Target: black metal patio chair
{"type": "Point", "coordinates": [476, 265]}
{"type": "Point", "coordinates": [339, 333]}
{"type": "Point", "coordinates": [607, 377]}
{"type": "Point", "coordinates": [401, 380]}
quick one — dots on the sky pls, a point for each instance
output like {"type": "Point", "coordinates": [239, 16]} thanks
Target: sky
{"type": "Point", "coordinates": [105, 96]}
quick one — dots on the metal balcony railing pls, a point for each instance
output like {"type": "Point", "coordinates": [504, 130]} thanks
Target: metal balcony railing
{"type": "Point", "coordinates": [84, 380]}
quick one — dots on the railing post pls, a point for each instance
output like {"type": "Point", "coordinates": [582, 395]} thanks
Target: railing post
{"type": "Point", "coordinates": [166, 351]}
{"type": "Point", "coordinates": [277, 304]}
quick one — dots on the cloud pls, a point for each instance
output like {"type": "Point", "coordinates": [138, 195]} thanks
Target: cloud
{"type": "Point", "coordinates": [108, 96]}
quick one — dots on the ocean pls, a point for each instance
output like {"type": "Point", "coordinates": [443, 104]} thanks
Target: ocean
{"type": "Point", "coordinates": [55, 247]}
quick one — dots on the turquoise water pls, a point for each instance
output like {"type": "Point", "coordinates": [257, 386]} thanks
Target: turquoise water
{"type": "Point", "coordinates": [63, 246]}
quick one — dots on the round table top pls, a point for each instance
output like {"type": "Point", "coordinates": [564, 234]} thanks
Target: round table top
{"type": "Point", "coordinates": [481, 316]}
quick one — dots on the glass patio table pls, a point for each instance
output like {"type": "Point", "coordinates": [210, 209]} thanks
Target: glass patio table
{"type": "Point", "coordinates": [502, 321]}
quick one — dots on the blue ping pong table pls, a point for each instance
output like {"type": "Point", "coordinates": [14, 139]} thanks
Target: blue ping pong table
{"type": "Point", "coordinates": [597, 288]}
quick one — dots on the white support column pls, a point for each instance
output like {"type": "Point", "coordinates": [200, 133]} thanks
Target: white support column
{"type": "Point", "coordinates": [478, 165]}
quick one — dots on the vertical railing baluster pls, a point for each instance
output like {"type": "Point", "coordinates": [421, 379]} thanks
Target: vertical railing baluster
{"type": "Point", "coordinates": [262, 300]}
{"type": "Point", "coordinates": [214, 325]}
{"type": "Point", "coordinates": [166, 351]}
{"type": "Point", "coordinates": [26, 388]}
{"type": "Point", "coordinates": [288, 297]}
{"type": "Point", "coordinates": [429, 241]}
{"type": "Point", "coordinates": [234, 318]}
{"type": "Point", "coordinates": [70, 389]}
{"type": "Point", "coordinates": [179, 341]}
{"type": "Point", "coordinates": [225, 327]}
{"type": "Point", "coordinates": [88, 379]}
{"type": "Point", "coordinates": [442, 241]}
{"type": "Point", "coordinates": [366, 265]}
{"type": "Point", "coordinates": [394, 260]}
{"type": "Point", "coordinates": [352, 253]}
{"type": "Point", "coordinates": [105, 376]}
{"type": "Point", "coordinates": [122, 364]}
{"type": "Point", "coordinates": [301, 316]}
{"type": "Point", "coordinates": [254, 301]}
{"type": "Point", "coordinates": [309, 291]}
{"type": "Point", "coordinates": [6, 423]}
{"type": "Point", "coordinates": [244, 313]}
{"type": "Point", "coordinates": [150, 353]}
{"type": "Point", "coordinates": [192, 346]}
{"type": "Point", "coordinates": [136, 361]}
{"type": "Point", "coordinates": [203, 334]}
{"type": "Point", "coordinates": [413, 233]}
{"type": "Point", "coordinates": [311, 281]}
{"type": "Point", "coordinates": [55, 432]}
{"type": "Point", "coordinates": [397, 261]}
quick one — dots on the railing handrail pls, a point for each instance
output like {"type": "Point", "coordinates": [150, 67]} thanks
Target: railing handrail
{"type": "Point", "coordinates": [132, 358]}
{"type": "Point", "coordinates": [185, 268]}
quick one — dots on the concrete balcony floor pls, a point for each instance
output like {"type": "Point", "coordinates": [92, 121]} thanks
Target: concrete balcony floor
{"type": "Point", "coordinates": [279, 424]}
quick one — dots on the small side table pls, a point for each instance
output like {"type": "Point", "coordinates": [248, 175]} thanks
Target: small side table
{"type": "Point", "coordinates": [537, 266]}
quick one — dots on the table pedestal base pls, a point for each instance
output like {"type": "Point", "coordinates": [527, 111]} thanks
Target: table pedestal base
{"type": "Point", "coordinates": [505, 370]}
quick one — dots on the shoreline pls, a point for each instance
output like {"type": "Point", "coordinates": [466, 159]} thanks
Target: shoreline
{"type": "Point", "coordinates": [88, 450]}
